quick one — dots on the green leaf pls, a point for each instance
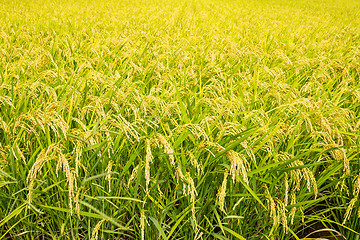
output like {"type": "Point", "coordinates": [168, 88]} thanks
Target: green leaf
{"type": "Point", "coordinates": [14, 213]}
{"type": "Point", "coordinates": [235, 234]}
{"type": "Point", "coordinates": [157, 225]}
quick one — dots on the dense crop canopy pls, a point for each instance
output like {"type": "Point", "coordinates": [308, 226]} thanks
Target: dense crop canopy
{"type": "Point", "coordinates": [194, 119]}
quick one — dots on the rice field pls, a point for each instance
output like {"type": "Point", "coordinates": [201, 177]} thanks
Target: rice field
{"type": "Point", "coordinates": [193, 119]}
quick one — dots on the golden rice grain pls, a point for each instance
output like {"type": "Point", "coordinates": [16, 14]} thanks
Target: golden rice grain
{"type": "Point", "coordinates": [142, 224]}
{"type": "Point", "coordinates": [282, 213]}
{"type": "Point", "coordinates": [108, 170]}
{"type": "Point", "coordinates": [148, 160]}
{"type": "Point", "coordinates": [167, 148]}
{"type": "Point", "coordinates": [286, 183]}
{"type": "Point", "coordinates": [222, 192]}
{"type": "Point", "coordinates": [133, 174]}
{"type": "Point", "coordinates": [95, 233]}
{"type": "Point", "coordinates": [271, 204]}
{"type": "Point", "coordinates": [293, 209]}
{"type": "Point", "coordinates": [238, 165]}
{"type": "Point", "coordinates": [36, 168]}
{"type": "Point", "coordinates": [349, 209]}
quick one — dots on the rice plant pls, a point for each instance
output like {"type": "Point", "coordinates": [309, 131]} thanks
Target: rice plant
{"type": "Point", "coordinates": [198, 119]}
